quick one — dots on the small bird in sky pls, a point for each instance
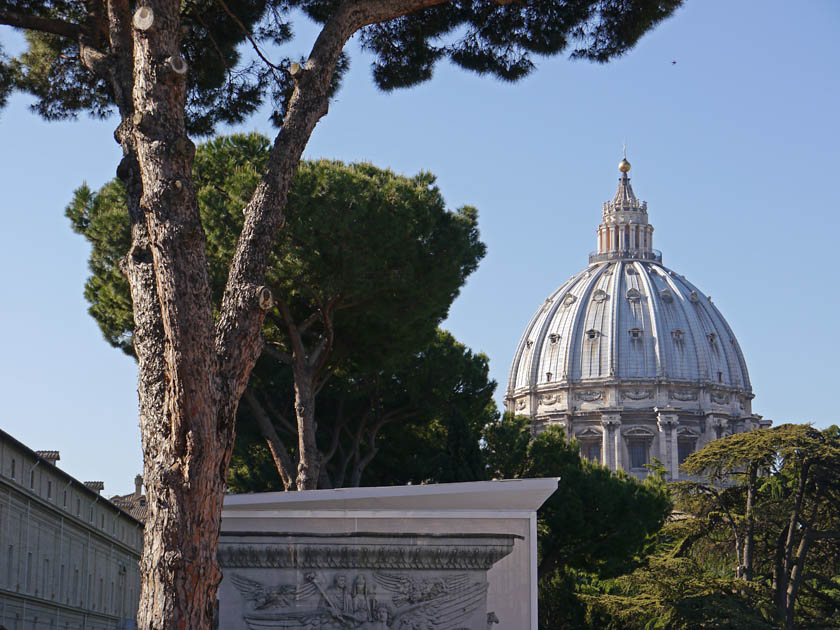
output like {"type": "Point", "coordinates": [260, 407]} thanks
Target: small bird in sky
{"type": "Point", "coordinates": [674, 63]}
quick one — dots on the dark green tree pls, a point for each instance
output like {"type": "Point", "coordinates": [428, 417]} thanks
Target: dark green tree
{"type": "Point", "coordinates": [596, 523]}
{"type": "Point", "coordinates": [419, 422]}
{"type": "Point", "coordinates": [195, 357]}
{"type": "Point", "coordinates": [673, 593]}
{"type": "Point", "coordinates": [770, 502]}
{"type": "Point", "coordinates": [368, 266]}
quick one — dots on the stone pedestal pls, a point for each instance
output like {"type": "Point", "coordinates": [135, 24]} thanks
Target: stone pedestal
{"type": "Point", "coordinates": [361, 580]}
{"type": "Point", "coordinates": [438, 557]}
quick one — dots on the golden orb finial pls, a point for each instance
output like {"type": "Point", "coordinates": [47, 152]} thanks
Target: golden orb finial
{"type": "Point", "coordinates": [624, 165]}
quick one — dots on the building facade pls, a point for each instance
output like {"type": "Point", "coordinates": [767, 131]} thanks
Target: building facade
{"type": "Point", "coordinates": [629, 357]}
{"type": "Point", "coordinates": [69, 558]}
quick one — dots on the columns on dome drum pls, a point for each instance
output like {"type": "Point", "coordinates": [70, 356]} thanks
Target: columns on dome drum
{"type": "Point", "coordinates": [668, 445]}
{"type": "Point", "coordinates": [611, 442]}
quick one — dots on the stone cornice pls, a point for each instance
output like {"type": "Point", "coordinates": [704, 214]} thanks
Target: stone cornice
{"type": "Point", "coordinates": [413, 551]}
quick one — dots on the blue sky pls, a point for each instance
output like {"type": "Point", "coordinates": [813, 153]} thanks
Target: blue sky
{"type": "Point", "coordinates": [734, 147]}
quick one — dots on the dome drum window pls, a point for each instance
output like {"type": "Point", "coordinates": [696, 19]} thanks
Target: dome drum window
{"type": "Point", "coordinates": [686, 443]}
{"type": "Point", "coordinates": [666, 295]}
{"type": "Point", "coordinates": [693, 297]}
{"type": "Point", "coordinates": [638, 453]}
{"type": "Point", "coordinates": [685, 448]}
{"type": "Point", "coordinates": [553, 337]}
{"type": "Point", "coordinates": [529, 343]}
{"type": "Point", "coordinates": [590, 444]}
{"type": "Point", "coordinates": [636, 334]}
{"type": "Point", "coordinates": [599, 296]}
{"type": "Point", "coordinates": [678, 335]}
{"type": "Point", "coordinates": [639, 441]}
{"type": "Point", "coordinates": [633, 295]}
{"type": "Point", "coordinates": [712, 337]}
{"type": "Point", "coordinates": [569, 300]}
{"type": "Point", "coordinates": [592, 334]}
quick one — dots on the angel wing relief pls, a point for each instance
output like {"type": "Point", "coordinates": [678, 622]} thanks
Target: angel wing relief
{"type": "Point", "coordinates": [401, 602]}
{"type": "Point", "coordinates": [432, 603]}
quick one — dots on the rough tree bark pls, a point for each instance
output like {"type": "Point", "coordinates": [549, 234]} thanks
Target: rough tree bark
{"type": "Point", "coordinates": [192, 374]}
{"type": "Point", "coordinates": [749, 517]}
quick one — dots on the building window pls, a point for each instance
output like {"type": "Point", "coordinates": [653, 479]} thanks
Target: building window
{"type": "Point", "coordinates": [102, 521]}
{"type": "Point", "coordinates": [32, 479]}
{"type": "Point", "coordinates": [65, 498]}
{"type": "Point", "coordinates": [28, 571]}
{"type": "Point", "coordinates": [10, 562]}
{"type": "Point", "coordinates": [49, 489]}
{"type": "Point", "coordinates": [45, 579]}
{"type": "Point", "coordinates": [14, 464]}
{"type": "Point", "coordinates": [638, 453]}
{"type": "Point", "coordinates": [686, 448]}
{"type": "Point", "coordinates": [78, 506]}
{"type": "Point", "coordinates": [592, 451]}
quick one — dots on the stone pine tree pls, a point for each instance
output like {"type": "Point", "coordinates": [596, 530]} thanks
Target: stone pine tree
{"type": "Point", "coordinates": [146, 62]}
{"type": "Point", "coordinates": [368, 265]}
{"type": "Point", "coordinates": [774, 496]}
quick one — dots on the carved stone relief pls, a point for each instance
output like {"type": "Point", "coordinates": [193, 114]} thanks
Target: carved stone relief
{"type": "Point", "coordinates": [361, 581]}
{"type": "Point", "coordinates": [637, 394]}
{"type": "Point", "coordinates": [721, 398]}
{"type": "Point", "coordinates": [589, 395]}
{"type": "Point", "coordinates": [681, 394]}
{"type": "Point", "coordinates": [343, 600]}
{"type": "Point", "coordinates": [550, 399]}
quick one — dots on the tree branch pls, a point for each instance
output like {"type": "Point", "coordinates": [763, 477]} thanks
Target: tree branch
{"type": "Point", "coordinates": [245, 32]}
{"type": "Point", "coordinates": [279, 453]}
{"type": "Point", "coordinates": [42, 24]}
{"type": "Point", "coordinates": [239, 327]}
{"type": "Point", "coordinates": [298, 349]}
{"type": "Point", "coordinates": [281, 418]}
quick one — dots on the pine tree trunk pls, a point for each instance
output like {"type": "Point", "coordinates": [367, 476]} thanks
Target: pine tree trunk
{"type": "Point", "coordinates": [310, 458]}
{"type": "Point", "coordinates": [192, 373]}
{"type": "Point", "coordinates": [749, 534]}
{"type": "Point", "coordinates": [185, 460]}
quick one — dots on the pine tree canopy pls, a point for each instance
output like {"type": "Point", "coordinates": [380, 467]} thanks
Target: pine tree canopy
{"type": "Point", "coordinates": [236, 64]}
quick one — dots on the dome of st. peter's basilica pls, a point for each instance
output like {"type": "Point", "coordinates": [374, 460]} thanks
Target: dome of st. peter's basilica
{"type": "Point", "coordinates": [629, 356]}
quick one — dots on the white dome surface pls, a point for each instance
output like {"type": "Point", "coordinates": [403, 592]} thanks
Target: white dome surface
{"type": "Point", "coordinates": [630, 320]}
